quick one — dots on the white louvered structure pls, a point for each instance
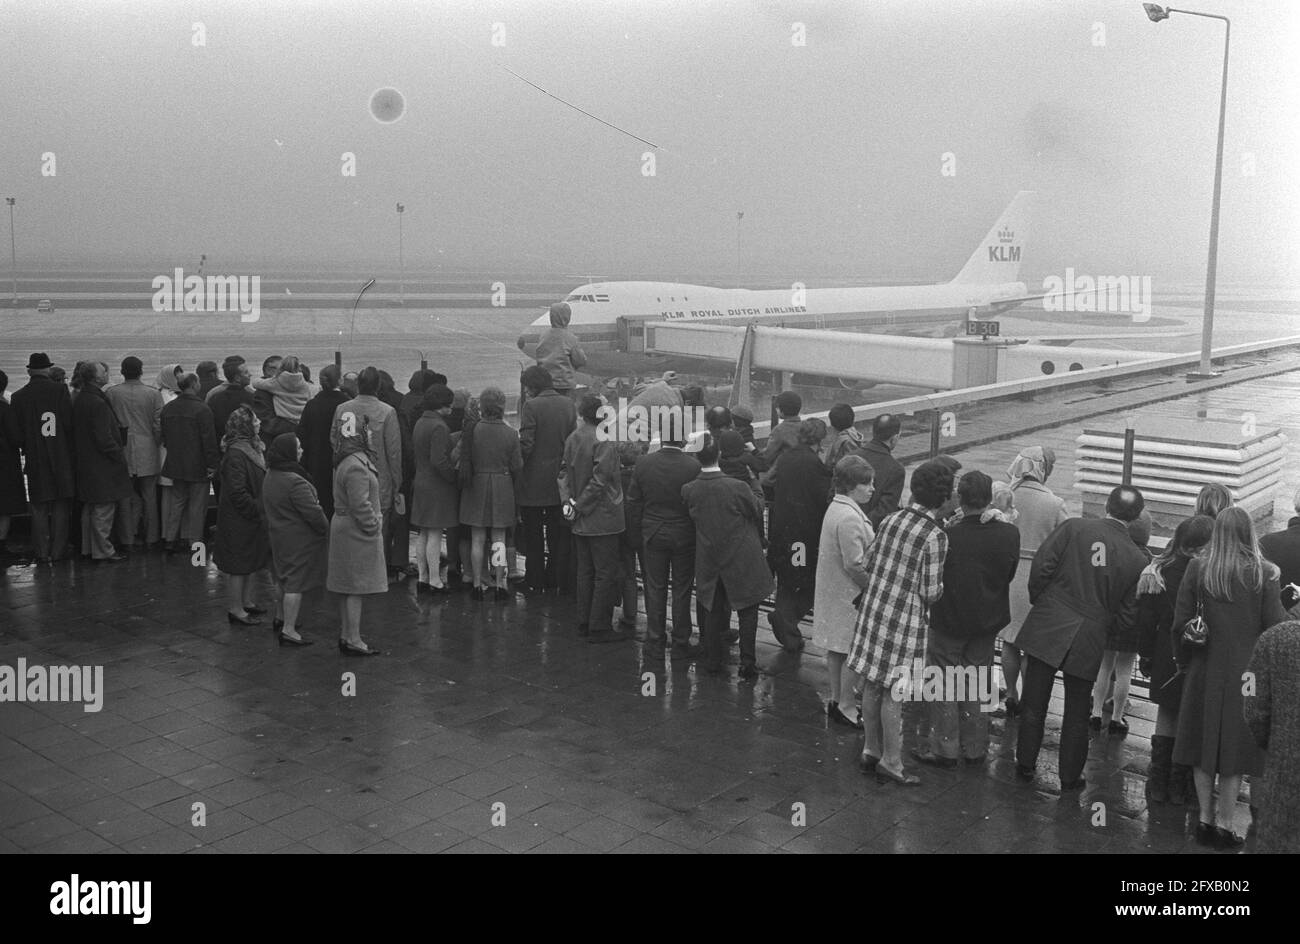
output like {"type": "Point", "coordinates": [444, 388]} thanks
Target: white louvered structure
{"type": "Point", "coordinates": [1172, 463]}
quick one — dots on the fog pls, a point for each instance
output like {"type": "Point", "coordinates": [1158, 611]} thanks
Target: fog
{"type": "Point", "coordinates": [834, 149]}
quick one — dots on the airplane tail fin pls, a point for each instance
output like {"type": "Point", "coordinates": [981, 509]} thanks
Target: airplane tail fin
{"type": "Point", "coordinates": [997, 259]}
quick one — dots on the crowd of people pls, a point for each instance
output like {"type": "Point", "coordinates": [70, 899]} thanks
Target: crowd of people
{"type": "Point", "coordinates": [320, 485]}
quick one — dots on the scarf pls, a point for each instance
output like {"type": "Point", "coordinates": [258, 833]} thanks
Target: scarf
{"type": "Point", "coordinates": [1033, 462]}
{"type": "Point", "coordinates": [283, 456]}
{"type": "Point", "coordinates": [239, 429]}
{"type": "Point", "coordinates": [167, 378]}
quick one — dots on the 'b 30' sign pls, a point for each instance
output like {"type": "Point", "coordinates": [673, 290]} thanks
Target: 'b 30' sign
{"type": "Point", "coordinates": [988, 329]}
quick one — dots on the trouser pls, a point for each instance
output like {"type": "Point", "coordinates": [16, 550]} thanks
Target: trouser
{"type": "Point", "coordinates": [958, 726]}
{"type": "Point", "coordinates": [671, 548]}
{"type": "Point", "coordinates": [882, 725]}
{"type": "Point", "coordinates": [627, 595]}
{"type": "Point", "coordinates": [397, 536]}
{"type": "Point", "coordinates": [792, 605]}
{"type": "Point", "coordinates": [715, 630]}
{"type": "Point", "coordinates": [97, 528]}
{"type": "Point", "coordinates": [50, 528]}
{"type": "Point", "coordinates": [185, 510]}
{"type": "Point", "coordinates": [1035, 697]}
{"type": "Point", "coordinates": [137, 514]}
{"type": "Point", "coordinates": [547, 546]}
{"type": "Point", "coordinates": [598, 579]}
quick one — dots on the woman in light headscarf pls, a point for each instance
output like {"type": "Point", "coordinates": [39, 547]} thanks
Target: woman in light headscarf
{"type": "Point", "coordinates": [356, 546]}
{"type": "Point", "coordinates": [242, 548]}
{"type": "Point", "coordinates": [1040, 512]}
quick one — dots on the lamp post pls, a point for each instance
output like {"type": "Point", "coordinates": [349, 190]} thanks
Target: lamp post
{"type": "Point", "coordinates": [13, 251]}
{"type": "Point", "coordinates": [1205, 370]}
{"type": "Point", "coordinates": [401, 265]}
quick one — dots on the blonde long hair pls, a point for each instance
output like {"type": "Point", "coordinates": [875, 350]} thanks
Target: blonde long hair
{"type": "Point", "coordinates": [1233, 555]}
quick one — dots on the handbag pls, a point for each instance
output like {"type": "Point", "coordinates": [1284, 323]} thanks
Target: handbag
{"type": "Point", "coordinates": [1196, 631]}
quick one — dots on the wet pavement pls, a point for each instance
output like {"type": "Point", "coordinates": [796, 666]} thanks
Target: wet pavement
{"type": "Point", "coordinates": [483, 728]}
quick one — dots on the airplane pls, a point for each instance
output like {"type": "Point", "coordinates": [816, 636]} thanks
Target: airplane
{"type": "Point", "coordinates": [609, 317]}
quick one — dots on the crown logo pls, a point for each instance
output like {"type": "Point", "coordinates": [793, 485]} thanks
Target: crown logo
{"type": "Point", "coordinates": [1006, 234]}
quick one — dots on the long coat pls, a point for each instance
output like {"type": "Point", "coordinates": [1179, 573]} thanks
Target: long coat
{"type": "Point", "coordinates": [1283, 549]}
{"type": "Point", "coordinates": [317, 453]}
{"type": "Point", "coordinates": [1273, 714]}
{"type": "Point", "coordinates": [297, 529]}
{"type": "Point", "coordinates": [242, 546]}
{"type": "Point", "coordinates": [726, 513]}
{"type": "Point", "coordinates": [545, 422]}
{"type": "Point", "coordinates": [841, 573]}
{"type": "Point", "coordinates": [982, 560]}
{"type": "Point", "coordinates": [1155, 621]}
{"type": "Point", "coordinates": [1040, 513]}
{"type": "Point", "coordinates": [1212, 731]}
{"type": "Point", "coordinates": [1084, 575]}
{"type": "Point", "coordinates": [590, 474]}
{"type": "Point", "coordinates": [102, 475]}
{"type": "Point", "coordinates": [45, 406]}
{"type": "Point", "coordinates": [889, 480]}
{"type": "Point", "coordinates": [13, 496]}
{"type": "Point", "coordinates": [187, 432]}
{"type": "Point", "coordinates": [489, 502]}
{"type": "Point", "coordinates": [435, 499]}
{"type": "Point", "coordinates": [139, 407]}
{"type": "Point", "coordinates": [356, 563]}
{"type": "Point", "coordinates": [801, 486]}
{"type": "Point", "coordinates": [905, 577]}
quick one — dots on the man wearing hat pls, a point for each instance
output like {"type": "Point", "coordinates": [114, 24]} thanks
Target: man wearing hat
{"type": "Point", "coordinates": [139, 406]}
{"type": "Point", "coordinates": [102, 476]}
{"type": "Point", "coordinates": [44, 412]}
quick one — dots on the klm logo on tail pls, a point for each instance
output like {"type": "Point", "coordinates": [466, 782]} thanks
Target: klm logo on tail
{"type": "Point", "coordinates": [1004, 252]}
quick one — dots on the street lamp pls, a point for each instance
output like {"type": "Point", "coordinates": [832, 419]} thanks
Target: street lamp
{"type": "Point", "coordinates": [1204, 371]}
{"type": "Point", "coordinates": [13, 251]}
{"type": "Point", "coordinates": [401, 265]}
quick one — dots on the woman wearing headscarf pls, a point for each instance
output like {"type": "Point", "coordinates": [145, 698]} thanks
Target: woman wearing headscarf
{"type": "Point", "coordinates": [435, 500]}
{"type": "Point", "coordinates": [169, 385]}
{"type": "Point", "coordinates": [356, 546]}
{"type": "Point", "coordinates": [1040, 513]}
{"type": "Point", "coordinates": [242, 547]}
{"type": "Point", "coordinates": [490, 464]}
{"type": "Point", "coordinates": [297, 528]}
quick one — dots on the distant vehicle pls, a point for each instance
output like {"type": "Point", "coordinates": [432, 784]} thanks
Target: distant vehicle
{"type": "Point", "coordinates": [45, 305]}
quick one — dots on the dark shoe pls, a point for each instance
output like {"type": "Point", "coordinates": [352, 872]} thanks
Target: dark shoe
{"type": "Point", "coordinates": [934, 760]}
{"type": "Point", "coordinates": [117, 558]}
{"type": "Point", "coordinates": [838, 717]}
{"type": "Point", "coordinates": [1073, 785]}
{"type": "Point", "coordinates": [1094, 723]}
{"type": "Point", "coordinates": [1226, 838]}
{"type": "Point", "coordinates": [867, 763]}
{"type": "Point", "coordinates": [976, 761]}
{"type": "Point", "coordinates": [255, 610]}
{"type": "Point", "coordinates": [477, 594]}
{"type": "Point", "coordinates": [749, 673]}
{"type": "Point", "coordinates": [437, 591]}
{"type": "Point", "coordinates": [607, 635]}
{"type": "Point", "coordinates": [290, 641]}
{"type": "Point", "coordinates": [903, 780]}
{"type": "Point", "coordinates": [1024, 773]}
{"type": "Point", "coordinates": [1206, 834]}
{"type": "Point", "coordinates": [1118, 727]}
{"type": "Point", "coordinates": [242, 621]}
{"type": "Point", "coordinates": [350, 650]}
{"type": "Point", "coordinates": [777, 623]}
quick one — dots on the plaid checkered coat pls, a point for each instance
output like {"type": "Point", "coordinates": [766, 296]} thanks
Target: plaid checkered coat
{"type": "Point", "coordinates": [905, 568]}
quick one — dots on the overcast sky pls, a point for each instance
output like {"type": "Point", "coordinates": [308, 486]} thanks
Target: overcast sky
{"type": "Point", "coordinates": [832, 149]}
